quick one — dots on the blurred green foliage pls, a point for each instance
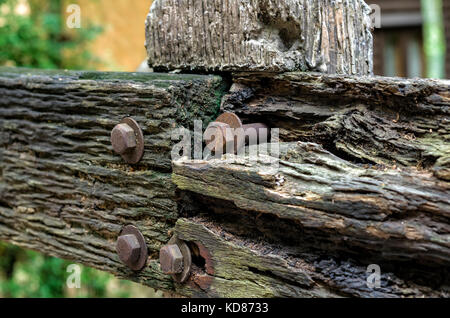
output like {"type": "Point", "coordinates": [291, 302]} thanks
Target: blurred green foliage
{"type": "Point", "coordinates": [25, 273]}
{"type": "Point", "coordinates": [434, 37]}
{"type": "Point", "coordinates": [33, 33]}
{"type": "Point", "coordinates": [30, 274]}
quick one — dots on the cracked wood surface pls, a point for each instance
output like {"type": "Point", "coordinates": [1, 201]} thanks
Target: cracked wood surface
{"type": "Point", "coordinates": [340, 201]}
{"type": "Point", "coordinates": [395, 214]}
{"type": "Point", "coordinates": [373, 120]}
{"type": "Point", "coordinates": [63, 191]}
{"type": "Point", "coordinates": [365, 182]}
{"type": "Point", "coordinates": [239, 266]}
{"type": "Point", "coordinates": [260, 35]}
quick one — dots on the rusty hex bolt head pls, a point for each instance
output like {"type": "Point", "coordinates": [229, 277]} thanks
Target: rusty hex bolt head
{"type": "Point", "coordinates": [128, 248]}
{"type": "Point", "coordinates": [171, 259]}
{"type": "Point", "coordinates": [131, 248]}
{"type": "Point", "coordinates": [176, 260]}
{"type": "Point", "coordinates": [127, 140]}
{"type": "Point", "coordinates": [123, 138]}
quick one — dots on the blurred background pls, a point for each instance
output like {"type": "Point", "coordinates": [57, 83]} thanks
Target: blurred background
{"type": "Point", "coordinates": [414, 38]}
{"type": "Point", "coordinates": [413, 41]}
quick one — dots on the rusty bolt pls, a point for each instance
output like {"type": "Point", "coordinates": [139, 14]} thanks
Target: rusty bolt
{"type": "Point", "coordinates": [176, 260]}
{"type": "Point", "coordinates": [131, 248]}
{"type": "Point", "coordinates": [226, 130]}
{"type": "Point", "coordinates": [127, 140]}
{"type": "Point", "coordinates": [123, 139]}
{"type": "Point", "coordinates": [171, 259]}
{"type": "Point", "coordinates": [128, 248]}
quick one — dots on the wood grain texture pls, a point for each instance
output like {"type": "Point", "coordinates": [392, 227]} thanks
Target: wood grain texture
{"type": "Point", "coordinates": [63, 191]}
{"type": "Point", "coordinates": [252, 35]}
{"type": "Point", "coordinates": [239, 266]}
{"type": "Point", "coordinates": [362, 179]}
{"type": "Point", "coordinates": [397, 214]}
{"type": "Point", "coordinates": [309, 230]}
{"type": "Point", "coordinates": [370, 120]}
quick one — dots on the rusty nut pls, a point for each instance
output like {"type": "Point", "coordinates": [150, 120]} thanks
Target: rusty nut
{"type": "Point", "coordinates": [171, 259]}
{"type": "Point", "coordinates": [175, 259]}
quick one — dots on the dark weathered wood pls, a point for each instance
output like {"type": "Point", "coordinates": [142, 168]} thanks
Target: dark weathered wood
{"type": "Point", "coordinates": [239, 266]}
{"type": "Point", "coordinates": [63, 191]}
{"type": "Point", "coordinates": [366, 184]}
{"type": "Point", "coordinates": [374, 120]}
{"type": "Point", "coordinates": [396, 214]}
{"type": "Point", "coordinates": [260, 35]}
{"type": "Point", "coordinates": [345, 196]}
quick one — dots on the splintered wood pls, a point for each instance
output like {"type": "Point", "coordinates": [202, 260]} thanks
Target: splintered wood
{"type": "Point", "coordinates": [251, 35]}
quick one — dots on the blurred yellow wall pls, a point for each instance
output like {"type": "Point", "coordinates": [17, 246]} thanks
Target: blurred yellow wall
{"type": "Point", "coordinates": [121, 45]}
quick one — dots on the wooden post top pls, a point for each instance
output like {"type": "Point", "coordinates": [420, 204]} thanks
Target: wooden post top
{"type": "Point", "coordinates": [260, 35]}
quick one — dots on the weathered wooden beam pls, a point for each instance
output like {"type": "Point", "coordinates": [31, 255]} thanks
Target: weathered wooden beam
{"type": "Point", "coordinates": [236, 264]}
{"type": "Point", "coordinates": [372, 120]}
{"type": "Point", "coordinates": [253, 35]}
{"type": "Point", "coordinates": [63, 191]}
{"type": "Point", "coordinates": [395, 214]}
{"type": "Point", "coordinates": [366, 182]}
{"type": "Point", "coordinates": [309, 230]}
